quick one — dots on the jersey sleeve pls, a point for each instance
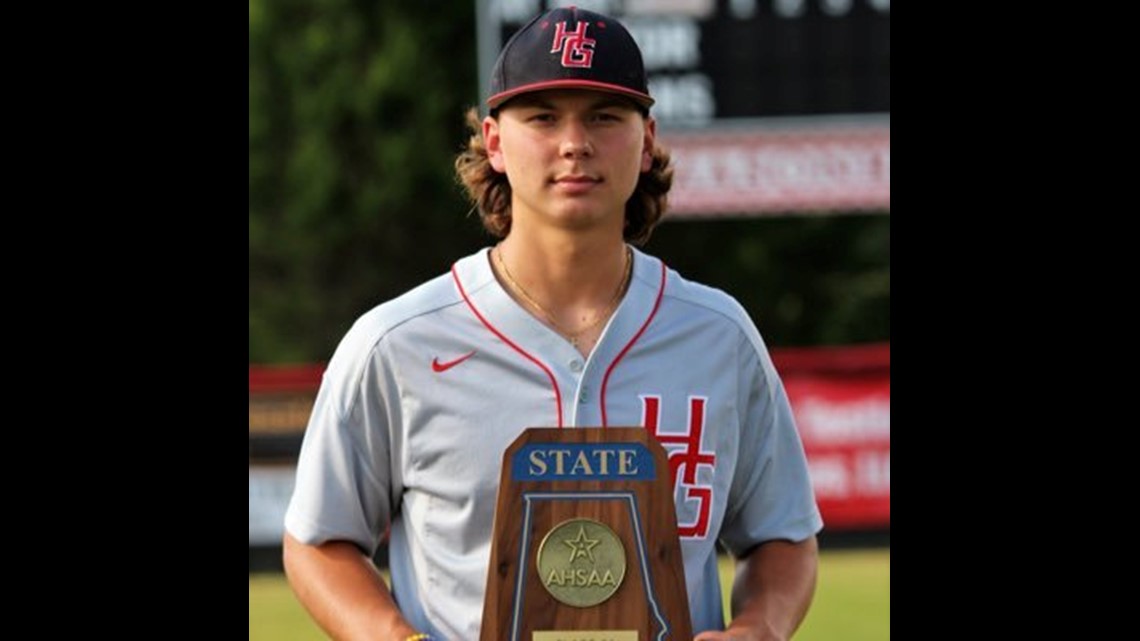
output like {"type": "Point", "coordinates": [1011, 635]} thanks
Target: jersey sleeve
{"type": "Point", "coordinates": [771, 495]}
{"type": "Point", "coordinates": [343, 486]}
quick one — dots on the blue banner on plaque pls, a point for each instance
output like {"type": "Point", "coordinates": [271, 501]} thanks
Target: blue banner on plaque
{"type": "Point", "coordinates": [583, 462]}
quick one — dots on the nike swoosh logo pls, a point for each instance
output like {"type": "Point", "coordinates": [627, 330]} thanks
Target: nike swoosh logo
{"type": "Point", "coordinates": [438, 367]}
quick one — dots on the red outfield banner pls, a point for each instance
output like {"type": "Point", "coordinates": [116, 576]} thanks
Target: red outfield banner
{"type": "Point", "coordinates": [842, 401]}
{"type": "Point", "coordinates": [841, 397]}
{"type": "Point", "coordinates": [837, 167]}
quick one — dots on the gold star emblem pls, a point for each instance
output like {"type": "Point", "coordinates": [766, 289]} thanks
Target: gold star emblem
{"type": "Point", "coordinates": [581, 546]}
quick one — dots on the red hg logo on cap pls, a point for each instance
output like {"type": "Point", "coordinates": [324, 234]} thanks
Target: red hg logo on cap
{"type": "Point", "coordinates": [577, 50]}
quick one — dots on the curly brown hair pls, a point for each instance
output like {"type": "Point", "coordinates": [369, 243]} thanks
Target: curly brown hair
{"type": "Point", "coordinates": [490, 192]}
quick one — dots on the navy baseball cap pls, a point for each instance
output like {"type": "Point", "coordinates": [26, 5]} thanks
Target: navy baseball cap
{"type": "Point", "coordinates": [570, 48]}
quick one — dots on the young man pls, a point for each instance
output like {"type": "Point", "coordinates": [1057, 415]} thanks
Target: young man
{"type": "Point", "coordinates": [562, 324]}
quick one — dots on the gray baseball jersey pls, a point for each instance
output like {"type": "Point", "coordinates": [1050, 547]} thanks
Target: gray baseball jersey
{"type": "Point", "coordinates": [426, 391]}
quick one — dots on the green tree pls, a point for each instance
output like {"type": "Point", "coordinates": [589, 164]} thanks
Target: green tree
{"type": "Point", "coordinates": [354, 116]}
{"type": "Point", "coordinates": [805, 280]}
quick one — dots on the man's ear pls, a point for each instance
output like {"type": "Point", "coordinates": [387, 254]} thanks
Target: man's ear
{"type": "Point", "coordinates": [647, 144]}
{"type": "Point", "coordinates": [493, 143]}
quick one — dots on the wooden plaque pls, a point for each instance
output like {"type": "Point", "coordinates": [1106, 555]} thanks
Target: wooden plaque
{"type": "Point", "coordinates": [585, 543]}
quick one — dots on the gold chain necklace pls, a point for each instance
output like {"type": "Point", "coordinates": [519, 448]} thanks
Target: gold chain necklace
{"type": "Point", "coordinates": [572, 336]}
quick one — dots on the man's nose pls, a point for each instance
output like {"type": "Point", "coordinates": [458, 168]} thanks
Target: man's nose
{"type": "Point", "coordinates": [576, 141]}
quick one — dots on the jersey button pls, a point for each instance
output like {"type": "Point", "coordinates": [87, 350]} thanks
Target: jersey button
{"type": "Point", "coordinates": [575, 366]}
{"type": "Point", "coordinates": [584, 395]}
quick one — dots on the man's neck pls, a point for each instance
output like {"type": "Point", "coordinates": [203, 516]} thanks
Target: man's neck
{"type": "Point", "coordinates": [566, 270]}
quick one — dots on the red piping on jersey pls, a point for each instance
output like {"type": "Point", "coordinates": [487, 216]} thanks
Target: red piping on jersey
{"type": "Point", "coordinates": [488, 325]}
{"type": "Point", "coordinates": [622, 353]}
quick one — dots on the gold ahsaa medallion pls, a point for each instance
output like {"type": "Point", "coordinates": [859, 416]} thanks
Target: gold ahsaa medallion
{"type": "Point", "coordinates": [581, 562]}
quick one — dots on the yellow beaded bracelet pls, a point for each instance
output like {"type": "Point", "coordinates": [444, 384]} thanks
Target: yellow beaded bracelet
{"type": "Point", "coordinates": [419, 637]}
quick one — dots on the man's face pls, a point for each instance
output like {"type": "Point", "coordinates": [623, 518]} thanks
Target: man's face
{"type": "Point", "coordinates": [572, 157]}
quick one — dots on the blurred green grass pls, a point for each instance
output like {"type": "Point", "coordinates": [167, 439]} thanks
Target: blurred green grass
{"type": "Point", "coordinates": [852, 601]}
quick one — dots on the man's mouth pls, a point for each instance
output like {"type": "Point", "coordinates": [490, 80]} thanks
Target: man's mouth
{"type": "Point", "coordinates": [577, 179]}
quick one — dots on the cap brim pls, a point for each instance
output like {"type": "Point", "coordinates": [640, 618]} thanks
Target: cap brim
{"type": "Point", "coordinates": [640, 98]}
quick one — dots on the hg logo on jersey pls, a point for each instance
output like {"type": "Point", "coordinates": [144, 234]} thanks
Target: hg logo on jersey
{"type": "Point", "coordinates": [577, 50]}
{"type": "Point", "coordinates": [684, 450]}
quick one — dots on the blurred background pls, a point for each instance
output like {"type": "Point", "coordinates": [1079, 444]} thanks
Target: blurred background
{"type": "Point", "coordinates": [778, 116]}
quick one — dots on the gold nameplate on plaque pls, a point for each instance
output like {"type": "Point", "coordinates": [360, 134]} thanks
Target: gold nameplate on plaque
{"type": "Point", "coordinates": [585, 635]}
{"type": "Point", "coordinates": [581, 562]}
